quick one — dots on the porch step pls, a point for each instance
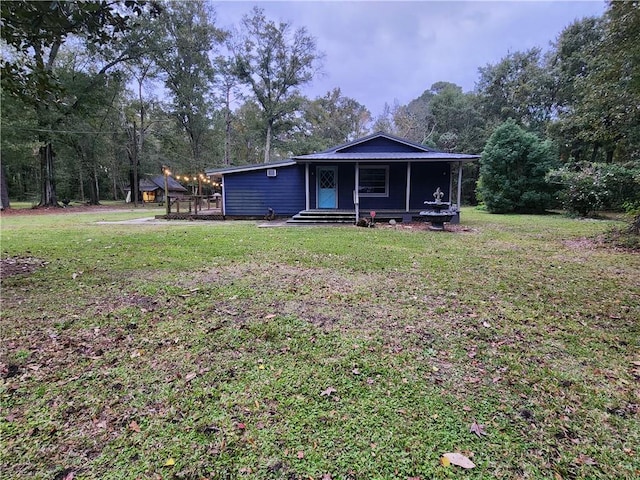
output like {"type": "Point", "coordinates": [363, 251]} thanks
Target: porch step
{"type": "Point", "coordinates": [322, 216]}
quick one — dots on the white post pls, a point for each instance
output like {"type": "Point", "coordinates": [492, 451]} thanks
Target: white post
{"type": "Point", "coordinates": [459, 185]}
{"type": "Point", "coordinates": [224, 196]}
{"type": "Point", "coordinates": [306, 186]}
{"type": "Point", "coordinates": [356, 193]}
{"type": "Point", "coordinates": [408, 193]}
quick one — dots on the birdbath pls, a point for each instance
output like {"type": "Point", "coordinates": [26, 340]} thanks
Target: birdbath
{"type": "Point", "coordinates": [437, 212]}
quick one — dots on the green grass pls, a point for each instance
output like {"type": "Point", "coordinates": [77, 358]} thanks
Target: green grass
{"type": "Point", "coordinates": [211, 344]}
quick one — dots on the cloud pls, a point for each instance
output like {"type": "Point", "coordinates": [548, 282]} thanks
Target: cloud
{"type": "Point", "coordinates": [379, 52]}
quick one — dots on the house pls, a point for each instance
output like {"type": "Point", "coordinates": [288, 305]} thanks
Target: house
{"type": "Point", "coordinates": [152, 189]}
{"type": "Point", "coordinates": [380, 172]}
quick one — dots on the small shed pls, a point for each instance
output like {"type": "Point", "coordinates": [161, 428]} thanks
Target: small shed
{"type": "Point", "coordinates": [152, 189]}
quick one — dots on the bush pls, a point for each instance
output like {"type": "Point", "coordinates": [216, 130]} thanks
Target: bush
{"type": "Point", "coordinates": [512, 171]}
{"type": "Point", "coordinates": [588, 187]}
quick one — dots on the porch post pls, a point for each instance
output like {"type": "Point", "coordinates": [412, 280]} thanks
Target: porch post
{"type": "Point", "coordinates": [224, 196]}
{"type": "Point", "coordinates": [356, 192]}
{"type": "Point", "coordinates": [306, 186]}
{"type": "Point", "coordinates": [459, 185]}
{"type": "Point", "coordinates": [408, 193]}
{"type": "Point", "coordinates": [450, 183]}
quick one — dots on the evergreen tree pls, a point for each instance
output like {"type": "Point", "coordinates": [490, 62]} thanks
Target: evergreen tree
{"type": "Point", "coordinates": [512, 171]}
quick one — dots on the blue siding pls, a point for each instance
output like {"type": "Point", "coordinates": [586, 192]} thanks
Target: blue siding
{"type": "Point", "coordinates": [380, 145]}
{"type": "Point", "coordinates": [252, 193]}
{"type": "Point", "coordinates": [425, 179]}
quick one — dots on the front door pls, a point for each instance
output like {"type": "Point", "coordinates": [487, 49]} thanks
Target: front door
{"type": "Point", "coordinates": [327, 187]}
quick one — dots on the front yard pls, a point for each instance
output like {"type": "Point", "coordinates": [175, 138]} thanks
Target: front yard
{"type": "Point", "coordinates": [223, 350]}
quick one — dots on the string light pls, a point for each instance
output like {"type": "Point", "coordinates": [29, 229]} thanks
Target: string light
{"type": "Point", "coordinates": [199, 178]}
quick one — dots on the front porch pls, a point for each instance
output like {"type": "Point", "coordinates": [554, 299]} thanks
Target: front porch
{"type": "Point", "coordinates": [346, 216]}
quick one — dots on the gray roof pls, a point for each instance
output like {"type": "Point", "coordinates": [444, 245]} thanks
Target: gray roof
{"type": "Point", "coordinates": [248, 168]}
{"type": "Point", "coordinates": [410, 151]}
{"type": "Point", "coordinates": [157, 183]}
{"type": "Point", "coordinates": [386, 156]}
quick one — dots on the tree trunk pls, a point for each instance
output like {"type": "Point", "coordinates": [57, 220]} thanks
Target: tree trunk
{"type": "Point", "coordinates": [267, 143]}
{"type": "Point", "coordinates": [609, 155]}
{"type": "Point", "coordinates": [48, 197]}
{"type": "Point", "coordinates": [594, 153]}
{"type": "Point", "coordinates": [95, 189]}
{"type": "Point", "coordinates": [81, 177]}
{"type": "Point", "coordinates": [4, 193]}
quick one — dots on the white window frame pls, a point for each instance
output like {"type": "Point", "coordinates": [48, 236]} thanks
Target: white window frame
{"type": "Point", "coordinates": [386, 180]}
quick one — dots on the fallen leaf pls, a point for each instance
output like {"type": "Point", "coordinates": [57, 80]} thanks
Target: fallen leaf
{"type": "Point", "coordinates": [444, 461]}
{"type": "Point", "coordinates": [327, 476]}
{"type": "Point", "coordinates": [270, 316]}
{"type": "Point", "coordinates": [134, 426]}
{"type": "Point", "coordinates": [355, 371]}
{"type": "Point", "coordinates": [241, 426]}
{"type": "Point", "coordinates": [190, 376]}
{"type": "Point", "coordinates": [328, 392]}
{"type": "Point", "coordinates": [170, 462]}
{"type": "Point", "coordinates": [300, 454]}
{"type": "Point", "coordinates": [459, 460]}
{"type": "Point", "coordinates": [584, 460]}
{"type": "Point", "coordinates": [478, 429]}
{"type": "Point", "coordinates": [69, 476]}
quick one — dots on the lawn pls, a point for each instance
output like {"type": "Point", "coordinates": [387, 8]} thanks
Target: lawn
{"type": "Point", "coordinates": [221, 350]}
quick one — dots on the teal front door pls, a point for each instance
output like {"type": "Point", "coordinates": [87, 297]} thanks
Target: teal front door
{"type": "Point", "coordinates": [327, 187]}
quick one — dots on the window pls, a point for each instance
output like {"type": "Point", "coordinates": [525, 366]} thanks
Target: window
{"type": "Point", "coordinates": [374, 181]}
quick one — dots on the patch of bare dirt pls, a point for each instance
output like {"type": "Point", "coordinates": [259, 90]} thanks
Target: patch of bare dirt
{"type": "Point", "coordinates": [19, 266]}
{"type": "Point", "coordinates": [79, 208]}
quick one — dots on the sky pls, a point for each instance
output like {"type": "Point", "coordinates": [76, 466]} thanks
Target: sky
{"type": "Point", "coordinates": [381, 52]}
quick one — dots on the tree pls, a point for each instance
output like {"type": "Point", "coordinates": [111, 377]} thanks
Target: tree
{"type": "Point", "coordinates": [517, 87]}
{"type": "Point", "coordinates": [327, 121]}
{"type": "Point", "coordinates": [512, 171]}
{"type": "Point", "coordinates": [36, 31]}
{"type": "Point", "coordinates": [188, 37]}
{"type": "Point", "coordinates": [611, 91]}
{"type": "Point", "coordinates": [274, 62]}
{"type": "Point", "coordinates": [569, 64]}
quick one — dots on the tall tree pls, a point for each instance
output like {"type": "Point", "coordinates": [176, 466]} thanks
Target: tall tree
{"type": "Point", "coordinates": [329, 120]}
{"type": "Point", "coordinates": [189, 36]}
{"type": "Point", "coordinates": [274, 61]}
{"type": "Point", "coordinates": [517, 87]}
{"type": "Point", "coordinates": [36, 31]}
{"type": "Point", "coordinates": [570, 63]}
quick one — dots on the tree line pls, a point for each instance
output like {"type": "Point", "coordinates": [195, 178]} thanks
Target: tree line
{"type": "Point", "coordinates": [97, 95]}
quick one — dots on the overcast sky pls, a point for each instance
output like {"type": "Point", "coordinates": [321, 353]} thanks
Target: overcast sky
{"type": "Point", "coordinates": [378, 52]}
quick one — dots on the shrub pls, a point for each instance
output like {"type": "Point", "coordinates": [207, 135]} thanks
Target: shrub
{"type": "Point", "coordinates": [512, 171]}
{"type": "Point", "coordinates": [588, 187]}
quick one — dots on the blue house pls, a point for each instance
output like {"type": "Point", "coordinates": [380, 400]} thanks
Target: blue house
{"type": "Point", "coordinates": [380, 172]}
